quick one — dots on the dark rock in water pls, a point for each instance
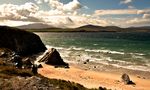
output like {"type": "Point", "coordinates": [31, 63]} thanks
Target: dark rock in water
{"type": "Point", "coordinates": [20, 41]}
{"type": "Point", "coordinates": [53, 57]}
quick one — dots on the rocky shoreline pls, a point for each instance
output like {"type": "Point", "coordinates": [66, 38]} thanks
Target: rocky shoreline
{"type": "Point", "coordinates": [19, 51]}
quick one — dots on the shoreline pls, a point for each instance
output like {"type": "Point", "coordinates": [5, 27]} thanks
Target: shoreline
{"type": "Point", "coordinates": [94, 78]}
{"type": "Point", "coordinates": [98, 67]}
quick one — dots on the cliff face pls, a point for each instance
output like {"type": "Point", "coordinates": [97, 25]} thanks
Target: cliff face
{"type": "Point", "coordinates": [20, 41]}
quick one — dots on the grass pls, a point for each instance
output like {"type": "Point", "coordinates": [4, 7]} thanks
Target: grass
{"type": "Point", "coordinates": [9, 71]}
{"type": "Point", "coordinates": [67, 85]}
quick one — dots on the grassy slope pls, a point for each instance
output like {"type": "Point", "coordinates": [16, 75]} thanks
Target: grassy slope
{"type": "Point", "coordinates": [9, 72]}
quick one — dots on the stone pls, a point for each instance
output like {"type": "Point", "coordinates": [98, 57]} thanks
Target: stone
{"type": "Point", "coordinates": [27, 63]}
{"type": "Point", "coordinates": [84, 62]}
{"type": "Point", "coordinates": [125, 78]}
{"type": "Point", "coordinates": [40, 66]}
{"type": "Point", "coordinates": [52, 57]}
{"type": "Point", "coordinates": [87, 60]}
{"type": "Point", "coordinates": [20, 41]}
{"type": "Point", "coordinates": [35, 69]}
{"type": "Point", "coordinates": [18, 61]}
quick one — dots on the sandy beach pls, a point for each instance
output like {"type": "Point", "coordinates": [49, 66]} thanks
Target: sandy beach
{"type": "Point", "coordinates": [94, 79]}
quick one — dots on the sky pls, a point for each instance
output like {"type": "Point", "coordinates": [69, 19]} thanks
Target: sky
{"type": "Point", "coordinates": [75, 13]}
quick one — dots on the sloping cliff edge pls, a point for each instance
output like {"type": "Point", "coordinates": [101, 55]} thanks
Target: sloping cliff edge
{"type": "Point", "coordinates": [20, 41]}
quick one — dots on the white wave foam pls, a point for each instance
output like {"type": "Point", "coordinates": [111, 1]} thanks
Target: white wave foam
{"type": "Point", "coordinates": [75, 48]}
{"type": "Point", "coordinates": [140, 54]}
{"type": "Point", "coordinates": [48, 46]}
{"type": "Point", "coordinates": [74, 54]}
{"type": "Point", "coordinates": [104, 51]}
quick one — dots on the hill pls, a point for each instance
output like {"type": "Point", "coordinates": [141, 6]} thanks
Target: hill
{"type": "Point", "coordinates": [86, 28]}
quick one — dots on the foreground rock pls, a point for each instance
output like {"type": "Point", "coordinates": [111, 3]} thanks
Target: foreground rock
{"type": "Point", "coordinates": [20, 41]}
{"type": "Point", "coordinates": [126, 79]}
{"type": "Point", "coordinates": [52, 57]}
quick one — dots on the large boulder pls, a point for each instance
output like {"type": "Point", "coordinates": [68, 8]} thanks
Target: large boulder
{"type": "Point", "coordinates": [52, 57]}
{"type": "Point", "coordinates": [20, 41]}
{"type": "Point", "coordinates": [126, 79]}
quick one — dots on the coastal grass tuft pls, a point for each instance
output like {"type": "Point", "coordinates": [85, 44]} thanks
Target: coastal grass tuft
{"type": "Point", "coordinates": [7, 71]}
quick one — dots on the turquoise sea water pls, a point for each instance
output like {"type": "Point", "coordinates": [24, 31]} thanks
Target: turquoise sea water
{"type": "Point", "coordinates": [128, 50]}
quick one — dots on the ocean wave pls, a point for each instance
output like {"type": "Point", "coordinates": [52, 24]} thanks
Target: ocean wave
{"type": "Point", "coordinates": [104, 51]}
{"type": "Point", "coordinates": [75, 48]}
{"type": "Point", "coordinates": [73, 54]}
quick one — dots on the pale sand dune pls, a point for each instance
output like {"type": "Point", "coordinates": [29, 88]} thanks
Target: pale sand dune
{"type": "Point", "coordinates": [92, 79]}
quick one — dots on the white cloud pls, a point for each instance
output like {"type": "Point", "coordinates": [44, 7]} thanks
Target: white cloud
{"type": "Point", "coordinates": [117, 11]}
{"type": "Point", "coordinates": [131, 7]}
{"type": "Point", "coordinates": [121, 11]}
{"type": "Point", "coordinates": [125, 1]}
{"type": "Point", "coordinates": [67, 15]}
{"type": "Point", "coordinates": [65, 8]}
{"type": "Point", "coordinates": [138, 21]}
{"type": "Point", "coordinates": [145, 11]}
{"type": "Point", "coordinates": [71, 6]}
{"type": "Point", "coordinates": [17, 12]}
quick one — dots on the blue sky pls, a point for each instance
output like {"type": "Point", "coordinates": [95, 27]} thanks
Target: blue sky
{"type": "Point", "coordinates": [74, 13]}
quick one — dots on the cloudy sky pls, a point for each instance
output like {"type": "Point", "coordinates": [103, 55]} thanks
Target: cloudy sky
{"type": "Point", "coordinates": [74, 13]}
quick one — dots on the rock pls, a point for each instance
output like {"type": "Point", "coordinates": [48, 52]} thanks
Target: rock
{"type": "Point", "coordinates": [26, 83]}
{"type": "Point", "coordinates": [87, 60]}
{"type": "Point", "coordinates": [52, 57]}
{"type": "Point", "coordinates": [27, 63]}
{"type": "Point", "coordinates": [35, 69]}
{"type": "Point", "coordinates": [18, 61]}
{"type": "Point", "coordinates": [84, 62]}
{"type": "Point", "coordinates": [102, 88]}
{"type": "Point", "coordinates": [3, 54]}
{"type": "Point", "coordinates": [20, 41]}
{"type": "Point", "coordinates": [126, 79]}
{"type": "Point", "coordinates": [40, 66]}
{"type": "Point", "coordinates": [94, 67]}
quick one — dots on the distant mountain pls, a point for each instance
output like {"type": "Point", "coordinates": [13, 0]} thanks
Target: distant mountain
{"type": "Point", "coordinates": [35, 26]}
{"type": "Point", "coordinates": [39, 27]}
{"type": "Point", "coordinates": [113, 29]}
{"type": "Point", "coordinates": [99, 28]}
{"type": "Point", "coordinates": [142, 27]}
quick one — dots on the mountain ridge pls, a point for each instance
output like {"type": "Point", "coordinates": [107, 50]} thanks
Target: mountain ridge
{"type": "Point", "coordinates": [40, 27]}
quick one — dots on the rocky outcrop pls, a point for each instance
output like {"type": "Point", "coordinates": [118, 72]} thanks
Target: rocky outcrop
{"type": "Point", "coordinates": [20, 41]}
{"type": "Point", "coordinates": [53, 57]}
{"type": "Point", "coordinates": [30, 83]}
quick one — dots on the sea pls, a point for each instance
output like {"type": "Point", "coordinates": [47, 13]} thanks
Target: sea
{"type": "Point", "coordinates": [129, 50]}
